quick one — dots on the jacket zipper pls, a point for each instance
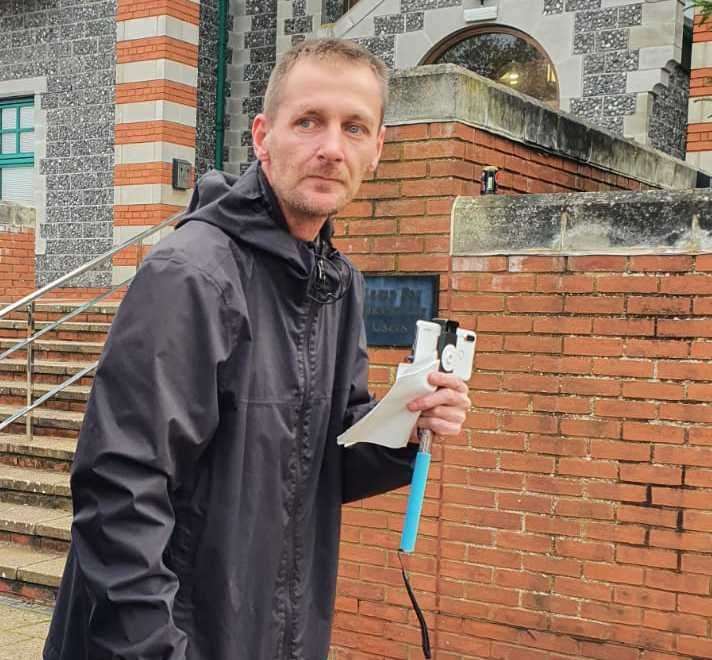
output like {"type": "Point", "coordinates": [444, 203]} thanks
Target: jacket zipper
{"type": "Point", "coordinates": [289, 641]}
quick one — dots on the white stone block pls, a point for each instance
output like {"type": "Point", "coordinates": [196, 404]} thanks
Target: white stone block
{"type": "Point", "coordinates": [647, 36]}
{"type": "Point", "coordinates": [411, 47]}
{"type": "Point", "coordinates": [656, 57]}
{"type": "Point", "coordinates": [699, 110]}
{"type": "Point", "coordinates": [664, 11]}
{"type": "Point", "coordinates": [570, 75]}
{"type": "Point", "coordinates": [120, 274]}
{"type": "Point", "coordinates": [127, 113]}
{"type": "Point", "coordinates": [150, 193]}
{"type": "Point", "coordinates": [644, 81]}
{"type": "Point", "coordinates": [480, 14]}
{"type": "Point", "coordinates": [161, 69]}
{"type": "Point", "coordinates": [439, 23]}
{"type": "Point", "coordinates": [702, 54]}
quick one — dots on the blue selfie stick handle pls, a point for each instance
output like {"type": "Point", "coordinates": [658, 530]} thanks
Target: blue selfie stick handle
{"type": "Point", "coordinates": [416, 496]}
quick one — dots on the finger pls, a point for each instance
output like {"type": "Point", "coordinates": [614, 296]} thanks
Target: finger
{"type": "Point", "coordinates": [451, 381]}
{"type": "Point", "coordinates": [439, 426]}
{"type": "Point", "coordinates": [442, 397]}
{"type": "Point", "coordinates": [448, 413]}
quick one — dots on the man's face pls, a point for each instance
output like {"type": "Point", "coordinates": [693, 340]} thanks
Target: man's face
{"type": "Point", "coordinates": [324, 137]}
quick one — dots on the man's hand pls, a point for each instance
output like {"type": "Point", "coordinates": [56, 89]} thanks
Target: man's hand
{"type": "Point", "coordinates": [443, 411]}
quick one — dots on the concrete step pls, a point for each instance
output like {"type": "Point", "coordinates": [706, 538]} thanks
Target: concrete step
{"type": "Point", "coordinates": [42, 527]}
{"type": "Point", "coordinates": [46, 418]}
{"type": "Point", "coordinates": [44, 488]}
{"type": "Point", "coordinates": [58, 350]}
{"type": "Point", "coordinates": [44, 371]}
{"type": "Point", "coordinates": [30, 572]}
{"type": "Point", "coordinates": [42, 452]}
{"type": "Point", "coordinates": [50, 311]}
{"type": "Point", "coordinates": [68, 331]}
{"type": "Point", "coordinates": [18, 388]}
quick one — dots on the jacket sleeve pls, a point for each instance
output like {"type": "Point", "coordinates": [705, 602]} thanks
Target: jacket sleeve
{"type": "Point", "coordinates": [370, 469]}
{"type": "Point", "coordinates": [152, 411]}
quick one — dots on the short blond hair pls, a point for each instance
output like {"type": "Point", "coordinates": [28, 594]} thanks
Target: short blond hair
{"type": "Point", "coordinates": [323, 49]}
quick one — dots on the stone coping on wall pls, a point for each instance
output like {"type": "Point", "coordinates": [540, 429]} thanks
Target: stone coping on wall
{"type": "Point", "coordinates": [16, 216]}
{"type": "Point", "coordinates": [651, 222]}
{"type": "Point", "coordinates": [447, 92]}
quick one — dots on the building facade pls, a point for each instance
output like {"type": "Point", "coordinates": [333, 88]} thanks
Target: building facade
{"type": "Point", "coordinates": [98, 98]}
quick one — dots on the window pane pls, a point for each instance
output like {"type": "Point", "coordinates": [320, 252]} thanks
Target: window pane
{"type": "Point", "coordinates": [16, 184]}
{"type": "Point", "coordinates": [9, 143]}
{"type": "Point", "coordinates": [27, 116]}
{"type": "Point", "coordinates": [9, 118]}
{"type": "Point", "coordinates": [27, 142]}
{"type": "Point", "coordinates": [508, 60]}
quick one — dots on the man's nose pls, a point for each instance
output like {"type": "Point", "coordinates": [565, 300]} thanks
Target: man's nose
{"type": "Point", "coordinates": [331, 146]}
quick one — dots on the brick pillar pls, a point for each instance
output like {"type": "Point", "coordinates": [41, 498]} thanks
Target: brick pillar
{"type": "Point", "coordinates": [156, 99]}
{"type": "Point", "coordinates": [699, 139]}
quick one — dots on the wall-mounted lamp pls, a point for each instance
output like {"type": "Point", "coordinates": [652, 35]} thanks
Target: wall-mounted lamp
{"type": "Point", "coordinates": [489, 180]}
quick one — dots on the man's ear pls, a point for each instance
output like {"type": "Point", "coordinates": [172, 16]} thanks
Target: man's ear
{"type": "Point", "coordinates": [260, 137]}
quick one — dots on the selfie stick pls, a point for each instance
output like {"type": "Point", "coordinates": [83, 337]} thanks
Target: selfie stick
{"type": "Point", "coordinates": [417, 492]}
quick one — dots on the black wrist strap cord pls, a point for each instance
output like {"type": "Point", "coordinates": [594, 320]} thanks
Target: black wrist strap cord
{"type": "Point", "coordinates": [425, 636]}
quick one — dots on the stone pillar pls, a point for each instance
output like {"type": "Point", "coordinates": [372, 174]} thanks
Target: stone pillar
{"type": "Point", "coordinates": [156, 98]}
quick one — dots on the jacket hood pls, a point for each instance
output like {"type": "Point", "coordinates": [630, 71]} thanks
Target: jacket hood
{"type": "Point", "coordinates": [246, 208]}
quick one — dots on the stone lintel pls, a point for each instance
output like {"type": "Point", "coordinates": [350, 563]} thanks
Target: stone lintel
{"type": "Point", "coordinates": [652, 222]}
{"type": "Point", "coordinates": [446, 92]}
{"type": "Point", "coordinates": [16, 216]}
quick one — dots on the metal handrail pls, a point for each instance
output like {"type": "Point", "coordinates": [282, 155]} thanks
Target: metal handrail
{"type": "Point", "coordinates": [87, 266]}
{"type": "Point", "coordinates": [29, 303]}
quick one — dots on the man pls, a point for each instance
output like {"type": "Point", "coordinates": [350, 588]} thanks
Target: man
{"type": "Point", "coordinates": [207, 482]}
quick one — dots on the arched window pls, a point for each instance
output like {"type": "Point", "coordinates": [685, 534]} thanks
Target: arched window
{"type": "Point", "coordinates": [504, 55]}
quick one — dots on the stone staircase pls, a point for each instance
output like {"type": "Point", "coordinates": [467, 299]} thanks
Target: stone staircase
{"type": "Point", "coordinates": [35, 498]}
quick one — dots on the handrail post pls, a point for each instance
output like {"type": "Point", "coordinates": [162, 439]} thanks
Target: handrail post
{"type": "Point", "coordinates": [139, 253]}
{"type": "Point", "coordinates": [30, 366]}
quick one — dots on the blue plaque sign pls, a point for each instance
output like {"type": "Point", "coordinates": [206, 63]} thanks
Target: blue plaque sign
{"type": "Point", "coordinates": [394, 303]}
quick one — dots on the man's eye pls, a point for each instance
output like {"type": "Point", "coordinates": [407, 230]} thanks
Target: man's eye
{"type": "Point", "coordinates": [305, 123]}
{"type": "Point", "coordinates": [355, 129]}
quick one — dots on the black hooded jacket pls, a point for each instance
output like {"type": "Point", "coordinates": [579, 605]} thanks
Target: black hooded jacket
{"type": "Point", "coordinates": [207, 481]}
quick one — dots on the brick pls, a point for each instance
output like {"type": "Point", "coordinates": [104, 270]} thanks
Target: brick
{"type": "Point", "coordinates": [400, 207]}
{"type": "Point", "coordinates": [554, 485]}
{"type": "Point", "coordinates": [605, 347]}
{"type": "Point", "coordinates": [536, 264]}
{"type": "Point", "coordinates": [657, 305]}
{"type": "Point", "coordinates": [614, 573]}
{"type": "Point", "coordinates": [425, 225]}
{"type": "Point", "coordinates": [625, 409]}
{"type": "Point", "coordinates": [685, 412]}
{"type": "Point", "coordinates": [531, 303]}
{"type": "Point", "coordinates": [425, 263]}
{"type": "Point", "coordinates": [687, 284]}
{"type": "Point", "coordinates": [597, 264]}
{"type": "Point", "coordinates": [585, 509]}
{"type": "Point", "coordinates": [565, 283]}
{"type": "Point", "coordinates": [661, 263]}
{"type": "Point", "coordinates": [643, 390]}
{"type": "Point", "coordinates": [594, 305]}
{"type": "Point", "coordinates": [624, 367]}
{"type": "Point", "coordinates": [580, 589]}
{"type": "Point", "coordinates": [562, 325]}
{"type": "Point", "coordinates": [683, 328]}
{"type": "Point", "coordinates": [527, 463]}
{"type": "Point", "coordinates": [612, 491]}
{"type": "Point", "coordinates": [401, 170]}
{"type": "Point", "coordinates": [674, 581]}
{"type": "Point", "coordinates": [591, 386]}
{"type": "Point", "coordinates": [653, 432]}
{"type": "Point", "coordinates": [632, 534]}
{"type": "Point", "coordinates": [678, 623]}
{"type": "Point", "coordinates": [625, 451]}
{"type": "Point", "coordinates": [646, 557]}
{"type": "Point", "coordinates": [680, 540]}
{"type": "Point", "coordinates": [587, 468]}
{"type": "Point", "coordinates": [590, 428]}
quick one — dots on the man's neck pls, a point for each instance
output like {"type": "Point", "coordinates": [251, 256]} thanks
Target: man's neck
{"type": "Point", "coordinates": [303, 228]}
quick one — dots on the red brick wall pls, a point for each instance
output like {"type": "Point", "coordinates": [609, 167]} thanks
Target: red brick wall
{"type": "Point", "coordinates": [569, 519]}
{"type": "Point", "coordinates": [17, 262]}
